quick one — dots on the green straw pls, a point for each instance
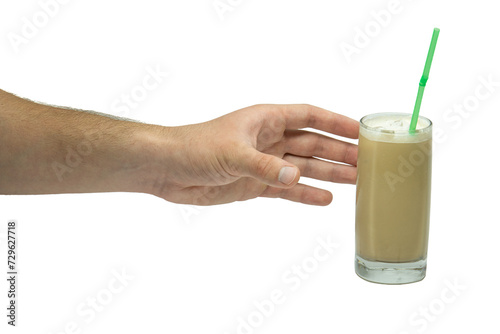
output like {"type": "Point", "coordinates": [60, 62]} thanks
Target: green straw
{"type": "Point", "coordinates": [423, 80]}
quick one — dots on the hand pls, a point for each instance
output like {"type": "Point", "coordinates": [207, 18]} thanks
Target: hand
{"type": "Point", "coordinates": [252, 152]}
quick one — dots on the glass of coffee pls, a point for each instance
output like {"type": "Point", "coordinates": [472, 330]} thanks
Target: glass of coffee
{"type": "Point", "coordinates": [393, 197]}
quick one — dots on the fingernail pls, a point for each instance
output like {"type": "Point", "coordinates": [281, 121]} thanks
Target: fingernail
{"type": "Point", "coordinates": [287, 175]}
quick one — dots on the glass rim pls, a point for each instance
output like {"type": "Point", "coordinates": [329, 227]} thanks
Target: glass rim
{"type": "Point", "coordinates": [370, 128]}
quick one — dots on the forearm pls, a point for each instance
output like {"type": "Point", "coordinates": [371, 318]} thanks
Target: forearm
{"type": "Point", "coordinates": [47, 150]}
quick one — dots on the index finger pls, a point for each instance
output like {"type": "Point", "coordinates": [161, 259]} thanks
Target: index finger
{"type": "Point", "coordinates": [298, 116]}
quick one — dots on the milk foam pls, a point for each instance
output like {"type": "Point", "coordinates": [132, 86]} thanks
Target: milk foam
{"type": "Point", "coordinates": [394, 127]}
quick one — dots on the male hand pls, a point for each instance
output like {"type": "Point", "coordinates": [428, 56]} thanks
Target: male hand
{"type": "Point", "coordinates": [256, 151]}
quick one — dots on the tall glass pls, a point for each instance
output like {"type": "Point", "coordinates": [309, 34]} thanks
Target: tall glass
{"type": "Point", "coordinates": [393, 197]}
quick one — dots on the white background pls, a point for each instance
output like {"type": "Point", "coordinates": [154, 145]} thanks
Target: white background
{"type": "Point", "coordinates": [201, 270]}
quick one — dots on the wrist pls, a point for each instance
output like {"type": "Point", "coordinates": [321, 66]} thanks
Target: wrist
{"type": "Point", "coordinates": [154, 154]}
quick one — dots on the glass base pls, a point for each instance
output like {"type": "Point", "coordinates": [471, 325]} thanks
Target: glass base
{"type": "Point", "coordinates": [390, 273]}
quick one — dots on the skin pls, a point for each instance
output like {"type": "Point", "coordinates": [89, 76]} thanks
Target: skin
{"type": "Point", "coordinates": [236, 157]}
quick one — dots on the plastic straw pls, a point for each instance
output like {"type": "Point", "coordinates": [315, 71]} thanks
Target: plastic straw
{"type": "Point", "coordinates": [423, 80]}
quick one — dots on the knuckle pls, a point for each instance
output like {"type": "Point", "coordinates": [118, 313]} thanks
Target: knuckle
{"type": "Point", "coordinates": [307, 167]}
{"type": "Point", "coordinates": [263, 165]}
{"type": "Point", "coordinates": [350, 154]}
{"type": "Point", "coordinates": [318, 145]}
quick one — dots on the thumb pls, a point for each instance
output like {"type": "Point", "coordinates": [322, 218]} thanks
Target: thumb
{"type": "Point", "coordinates": [269, 169]}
